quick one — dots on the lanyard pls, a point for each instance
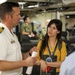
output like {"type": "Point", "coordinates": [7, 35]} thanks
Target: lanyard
{"type": "Point", "coordinates": [50, 54]}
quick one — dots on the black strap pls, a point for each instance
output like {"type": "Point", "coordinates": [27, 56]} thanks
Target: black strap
{"type": "Point", "coordinates": [53, 51]}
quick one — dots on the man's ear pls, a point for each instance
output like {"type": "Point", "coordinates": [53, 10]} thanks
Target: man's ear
{"type": "Point", "coordinates": [7, 16]}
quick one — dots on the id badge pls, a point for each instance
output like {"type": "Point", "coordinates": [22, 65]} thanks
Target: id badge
{"type": "Point", "coordinates": [48, 59]}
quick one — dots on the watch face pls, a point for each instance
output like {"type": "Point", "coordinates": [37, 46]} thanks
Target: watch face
{"type": "Point", "coordinates": [48, 59]}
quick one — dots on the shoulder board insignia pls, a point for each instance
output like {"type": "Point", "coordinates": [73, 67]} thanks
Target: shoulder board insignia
{"type": "Point", "coordinates": [1, 29]}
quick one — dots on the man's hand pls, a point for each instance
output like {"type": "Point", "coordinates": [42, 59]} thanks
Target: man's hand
{"type": "Point", "coordinates": [32, 34]}
{"type": "Point", "coordinates": [30, 61]}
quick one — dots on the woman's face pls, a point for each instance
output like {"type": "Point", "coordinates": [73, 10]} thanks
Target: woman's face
{"type": "Point", "coordinates": [52, 31]}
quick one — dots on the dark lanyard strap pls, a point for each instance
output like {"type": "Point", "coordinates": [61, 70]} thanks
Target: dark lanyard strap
{"type": "Point", "coordinates": [53, 51]}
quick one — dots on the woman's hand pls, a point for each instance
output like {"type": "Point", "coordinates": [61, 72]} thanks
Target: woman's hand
{"type": "Point", "coordinates": [33, 49]}
{"type": "Point", "coordinates": [43, 65]}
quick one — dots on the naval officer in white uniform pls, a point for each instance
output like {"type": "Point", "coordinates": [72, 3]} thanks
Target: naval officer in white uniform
{"type": "Point", "coordinates": [11, 62]}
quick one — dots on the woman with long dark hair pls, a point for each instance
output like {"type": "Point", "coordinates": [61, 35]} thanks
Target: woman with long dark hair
{"type": "Point", "coordinates": [51, 49]}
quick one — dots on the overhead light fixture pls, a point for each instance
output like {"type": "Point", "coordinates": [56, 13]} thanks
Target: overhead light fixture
{"type": "Point", "coordinates": [1, 1]}
{"type": "Point", "coordinates": [32, 6]}
{"type": "Point", "coordinates": [21, 3]}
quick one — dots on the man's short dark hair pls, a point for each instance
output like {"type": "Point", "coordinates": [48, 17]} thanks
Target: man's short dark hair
{"type": "Point", "coordinates": [6, 7]}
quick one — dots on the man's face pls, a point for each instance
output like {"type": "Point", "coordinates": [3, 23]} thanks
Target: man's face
{"type": "Point", "coordinates": [15, 18]}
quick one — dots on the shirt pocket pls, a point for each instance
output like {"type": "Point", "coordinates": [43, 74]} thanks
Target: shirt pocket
{"type": "Point", "coordinates": [13, 53]}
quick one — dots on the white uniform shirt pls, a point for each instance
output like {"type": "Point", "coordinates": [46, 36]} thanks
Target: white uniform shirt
{"type": "Point", "coordinates": [68, 66]}
{"type": "Point", "coordinates": [10, 50]}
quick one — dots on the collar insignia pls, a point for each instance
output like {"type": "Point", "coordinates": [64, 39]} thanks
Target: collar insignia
{"type": "Point", "coordinates": [12, 41]}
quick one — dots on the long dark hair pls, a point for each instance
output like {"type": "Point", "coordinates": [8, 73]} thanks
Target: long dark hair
{"type": "Point", "coordinates": [44, 43]}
